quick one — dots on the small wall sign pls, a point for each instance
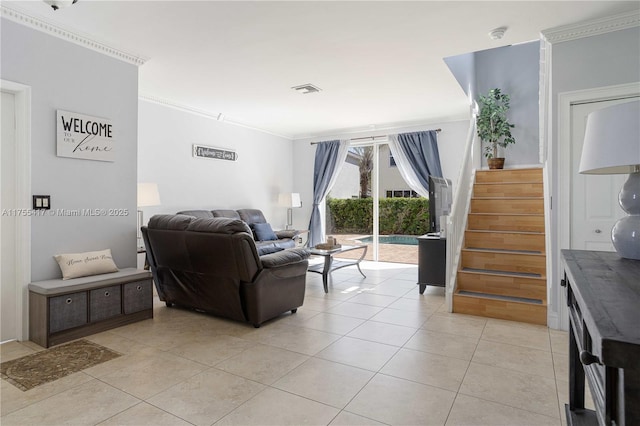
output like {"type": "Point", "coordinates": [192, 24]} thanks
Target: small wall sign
{"type": "Point", "coordinates": [85, 137]}
{"type": "Point", "coordinates": [203, 151]}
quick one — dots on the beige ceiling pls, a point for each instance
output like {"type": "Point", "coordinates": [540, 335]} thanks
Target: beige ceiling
{"type": "Point", "coordinates": [379, 64]}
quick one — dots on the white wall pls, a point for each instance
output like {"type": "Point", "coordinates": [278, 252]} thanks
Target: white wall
{"type": "Point", "coordinates": [591, 62]}
{"type": "Point", "coordinates": [66, 76]}
{"type": "Point", "coordinates": [515, 70]}
{"type": "Point", "coordinates": [451, 143]}
{"type": "Point", "coordinates": [263, 170]}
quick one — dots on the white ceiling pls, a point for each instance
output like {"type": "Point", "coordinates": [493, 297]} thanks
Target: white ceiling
{"type": "Point", "coordinates": [379, 64]}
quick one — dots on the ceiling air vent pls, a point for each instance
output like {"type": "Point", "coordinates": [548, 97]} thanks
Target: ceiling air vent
{"type": "Point", "coordinates": [306, 88]}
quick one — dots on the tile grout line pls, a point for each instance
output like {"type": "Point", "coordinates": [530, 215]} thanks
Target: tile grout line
{"type": "Point", "coordinates": [465, 373]}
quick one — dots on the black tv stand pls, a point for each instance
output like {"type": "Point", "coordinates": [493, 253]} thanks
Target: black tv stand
{"type": "Point", "coordinates": [432, 261]}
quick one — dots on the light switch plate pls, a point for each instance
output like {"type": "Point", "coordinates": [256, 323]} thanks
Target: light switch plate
{"type": "Point", "coordinates": [41, 202]}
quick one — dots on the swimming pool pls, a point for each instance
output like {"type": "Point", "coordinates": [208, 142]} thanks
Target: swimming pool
{"type": "Point", "coordinates": [405, 240]}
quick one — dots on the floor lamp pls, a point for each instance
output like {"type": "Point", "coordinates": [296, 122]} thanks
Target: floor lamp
{"type": "Point", "coordinates": [290, 200]}
{"type": "Point", "coordinates": [148, 196]}
{"type": "Point", "coordinates": [612, 146]}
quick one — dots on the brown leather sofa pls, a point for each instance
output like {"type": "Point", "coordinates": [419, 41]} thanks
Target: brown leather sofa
{"type": "Point", "coordinates": [212, 265]}
{"type": "Point", "coordinates": [284, 238]}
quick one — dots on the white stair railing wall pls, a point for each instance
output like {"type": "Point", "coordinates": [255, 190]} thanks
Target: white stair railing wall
{"type": "Point", "coordinates": [457, 220]}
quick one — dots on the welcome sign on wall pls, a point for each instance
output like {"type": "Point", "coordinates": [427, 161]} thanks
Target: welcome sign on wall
{"type": "Point", "coordinates": [85, 137]}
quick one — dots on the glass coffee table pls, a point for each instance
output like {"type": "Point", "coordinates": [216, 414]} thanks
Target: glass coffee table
{"type": "Point", "coordinates": [330, 264]}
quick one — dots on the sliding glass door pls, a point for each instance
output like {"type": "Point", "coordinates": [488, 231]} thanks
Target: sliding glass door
{"type": "Point", "coordinates": [372, 204]}
{"type": "Point", "coordinates": [349, 214]}
{"type": "Point", "coordinates": [402, 214]}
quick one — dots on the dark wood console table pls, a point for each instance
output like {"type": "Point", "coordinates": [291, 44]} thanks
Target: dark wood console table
{"type": "Point", "coordinates": [603, 295]}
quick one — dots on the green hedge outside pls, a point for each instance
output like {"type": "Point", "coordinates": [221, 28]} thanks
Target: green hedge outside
{"type": "Point", "coordinates": [404, 216]}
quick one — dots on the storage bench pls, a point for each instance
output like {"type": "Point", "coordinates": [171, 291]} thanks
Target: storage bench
{"type": "Point", "coordinates": [63, 310]}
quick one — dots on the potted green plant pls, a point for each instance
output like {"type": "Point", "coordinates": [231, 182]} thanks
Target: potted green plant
{"type": "Point", "coordinates": [493, 127]}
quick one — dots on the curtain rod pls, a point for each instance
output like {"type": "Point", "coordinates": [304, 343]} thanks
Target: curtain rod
{"type": "Point", "coordinates": [372, 137]}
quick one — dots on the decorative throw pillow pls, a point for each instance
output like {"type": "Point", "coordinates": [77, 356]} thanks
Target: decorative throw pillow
{"type": "Point", "coordinates": [263, 232]}
{"type": "Point", "coordinates": [74, 265]}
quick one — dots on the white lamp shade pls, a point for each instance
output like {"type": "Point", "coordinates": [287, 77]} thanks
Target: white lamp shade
{"type": "Point", "coordinates": [612, 140]}
{"type": "Point", "coordinates": [290, 199]}
{"type": "Point", "coordinates": [148, 195]}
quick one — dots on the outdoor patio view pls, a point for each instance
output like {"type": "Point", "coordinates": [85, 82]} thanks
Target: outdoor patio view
{"type": "Point", "coordinates": [403, 215]}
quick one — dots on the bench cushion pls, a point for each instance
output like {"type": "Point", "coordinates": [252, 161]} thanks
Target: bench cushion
{"type": "Point", "coordinates": [59, 286]}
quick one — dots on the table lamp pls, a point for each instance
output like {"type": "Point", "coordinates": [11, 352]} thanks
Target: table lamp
{"type": "Point", "coordinates": [148, 196]}
{"type": "Point", "coordinates": [290, 200]}
{"type": "Point", "coordinates": [612, 146]}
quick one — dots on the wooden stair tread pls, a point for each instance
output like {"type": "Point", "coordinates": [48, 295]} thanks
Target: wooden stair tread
{"type": "Point", "coordinates": [501, 297]}
{"type": "Point", "coordinates": [512, 169]}
{"type": "Point", "coordinates": [511, 222]}
{"type": "Point", "coordinates": [510, 175]}
{"type": "Point", "coordinates": [488, 231]}
{"type": "Point", "coordinates": [510, 182]}
{"type": "Point", "coordinates": [499, 308]}
{"type": "Point", "coordinates": [504, 273]}
{"type": "Point", "coordinates": [502, 251]}
{"type": "Point", "coordinates": [503, 285]}
{"type": "Point", "coordinates": [473, 271]}
{"type": "Point", "coordinates": [498, 250]}
{"type": "Point", "coordinates": [507, 214]}
{"type": "Point", "coordinates": [507, 198]}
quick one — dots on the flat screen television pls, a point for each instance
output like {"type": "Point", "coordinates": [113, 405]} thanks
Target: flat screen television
{"type": "Point", "coordinates": [440, 199]}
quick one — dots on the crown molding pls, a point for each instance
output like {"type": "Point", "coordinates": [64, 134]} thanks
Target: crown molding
{"type": "Point", "coordinates": [380, 130]}
{"type": "Point", "coordinates": [609, 24]}
{"type": "Point", "coordinates": [217, 116]}
{"type": "Point", "coordinates": [55, 30]}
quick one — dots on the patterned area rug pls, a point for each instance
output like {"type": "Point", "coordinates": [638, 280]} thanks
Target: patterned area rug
{"type": "Point", "coordinates": [52, 364]}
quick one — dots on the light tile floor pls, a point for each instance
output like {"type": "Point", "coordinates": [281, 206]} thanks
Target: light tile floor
{"type": "Point", "coordinates": [373, 351]}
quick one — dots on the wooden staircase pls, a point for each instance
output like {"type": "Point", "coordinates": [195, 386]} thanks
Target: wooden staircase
{"type": "Point", "coordinates": [502, 270]}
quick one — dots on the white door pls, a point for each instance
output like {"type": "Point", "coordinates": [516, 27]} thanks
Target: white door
{"type": "Point", "coordinates": [8, 224]}
{"type": "Point", "coordinates": [594, 198]}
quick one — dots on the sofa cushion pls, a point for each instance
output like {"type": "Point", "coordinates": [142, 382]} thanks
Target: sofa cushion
{"type": "Point", "coordinates": [219, 225]}
{"type": "Point", "coordinates": [285, 257]}
{"type": "Point", "coordinates": [225, 213]}
{"type": "Point", "coordinates": [197, 213]}
{"type": "Point", "coordinates": [252, 216]}
{"type": "Point", "coordinates": [175, 222]}
{"type": "Point", "coordinates": [263, 232]}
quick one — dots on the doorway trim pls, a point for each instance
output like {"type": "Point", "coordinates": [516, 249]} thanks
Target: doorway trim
{"type": "Point", "coordinates": [565, 102]}
{"type": "Point", "coordinates": [22, 94]}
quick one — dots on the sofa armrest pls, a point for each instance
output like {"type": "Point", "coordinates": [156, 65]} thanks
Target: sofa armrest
{"type": "Point", "coordinates": [284, 257]}
{"type": "Point", "coordinates": [286, 233]}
